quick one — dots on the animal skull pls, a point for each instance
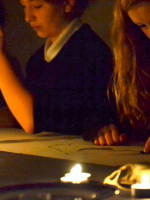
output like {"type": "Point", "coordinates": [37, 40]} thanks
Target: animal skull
{"type": "Point", "coordinates": [127, 175]}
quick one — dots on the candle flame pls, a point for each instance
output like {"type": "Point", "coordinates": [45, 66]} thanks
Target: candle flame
{"type": "Point", "coordinates": [76, 169]}
{"type": "Point", "coordinates": [76, 175]}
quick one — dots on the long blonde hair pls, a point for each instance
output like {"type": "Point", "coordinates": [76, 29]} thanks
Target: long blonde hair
{"type": "Point", "coordinates": [131, 78]}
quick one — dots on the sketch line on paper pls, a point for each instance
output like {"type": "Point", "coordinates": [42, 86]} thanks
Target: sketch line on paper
{"type": "Point", "coordinates": [71, 148]}
{"type": "Point", "coordinates": [101, 148]}
{"type": "Point", "coordinates": [59, 148]}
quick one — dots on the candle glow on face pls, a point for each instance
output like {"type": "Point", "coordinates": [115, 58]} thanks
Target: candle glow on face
{"type": "Point", "coordinates": [76, 175]}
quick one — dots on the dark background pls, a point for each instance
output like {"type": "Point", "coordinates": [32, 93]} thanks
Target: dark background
{"type": "Point", "coordinates": [22, 41]}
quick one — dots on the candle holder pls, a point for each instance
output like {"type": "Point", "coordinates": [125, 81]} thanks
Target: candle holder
{"type": "Point", "coordinates": [138, 192]}
{"type": "Point", "coordinates": [56, 191]}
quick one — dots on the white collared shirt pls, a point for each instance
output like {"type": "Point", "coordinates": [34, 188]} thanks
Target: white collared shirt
{"type": "Point", "coordinates": [52, 49]}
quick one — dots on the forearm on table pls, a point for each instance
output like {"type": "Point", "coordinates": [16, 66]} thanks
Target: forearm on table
{"type": "Point", "coordinates": [18, 99]}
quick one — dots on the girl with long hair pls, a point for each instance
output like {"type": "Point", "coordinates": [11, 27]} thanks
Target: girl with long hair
{"type": "Point", "coordinates": [131, 78]}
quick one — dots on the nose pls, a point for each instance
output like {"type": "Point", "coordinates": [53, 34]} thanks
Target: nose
{"type": "Point", "coordinates": [29, 16]}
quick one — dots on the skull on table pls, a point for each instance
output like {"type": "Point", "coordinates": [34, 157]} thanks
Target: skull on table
{"type": "Point", "coordinates": [127, 175]}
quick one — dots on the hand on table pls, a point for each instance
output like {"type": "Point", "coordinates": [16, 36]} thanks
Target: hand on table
{"type": "Point", "coordinates": [147, 146]}
{"type": "Point", "coordinates": [109, 135]}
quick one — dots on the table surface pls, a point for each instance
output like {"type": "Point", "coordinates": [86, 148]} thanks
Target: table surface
{"type": "Point", "coordinates": [46, 157]}
{"type": "Point", "coordinates": [67, 147]}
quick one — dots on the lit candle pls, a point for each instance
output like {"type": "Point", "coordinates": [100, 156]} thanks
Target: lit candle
{"type": "Point", "coordinates": [141, 189]}
{"type": "Point", "coordinates": [76, 175]}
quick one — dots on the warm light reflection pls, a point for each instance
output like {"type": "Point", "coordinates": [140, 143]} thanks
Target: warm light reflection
{"type": "Point", "coordinates": [141, 189]}
{"type": "Point", "coordinates": [145, 180]}
{"type": "Point", "coordinates": [76, 175]}
{"type": "Point", "coordinates": [145, 183]}
{"type": "Point", "coordinates": [117, 192]}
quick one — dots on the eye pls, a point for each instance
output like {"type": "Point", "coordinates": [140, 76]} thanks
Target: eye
{"type": "Point", "coordinates": [37, 6]}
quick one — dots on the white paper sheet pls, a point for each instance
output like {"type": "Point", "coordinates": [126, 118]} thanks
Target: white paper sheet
{"type": "Point", "coordinates": [69, 148]}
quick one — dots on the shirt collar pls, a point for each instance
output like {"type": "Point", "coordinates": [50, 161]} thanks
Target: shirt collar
{"type": "Point", "coordinates": [51, 50]}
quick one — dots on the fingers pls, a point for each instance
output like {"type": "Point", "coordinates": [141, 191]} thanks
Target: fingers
{"type": "Point", "coordinates": [102, 141]}
{"type": "Point", "coordinates": [115, 134]}
{"type": "Point", "coordinates": [123, 138]}
{"type": "Point", "coordinates": [104, 136]}
{"type": "Point", "coordinates": [147, 146]}
{"type": "Point", "coordinates": [109, 135]}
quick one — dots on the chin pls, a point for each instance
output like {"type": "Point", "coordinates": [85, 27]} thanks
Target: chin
{"type": "Point", "coordinates": [42, 35]}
